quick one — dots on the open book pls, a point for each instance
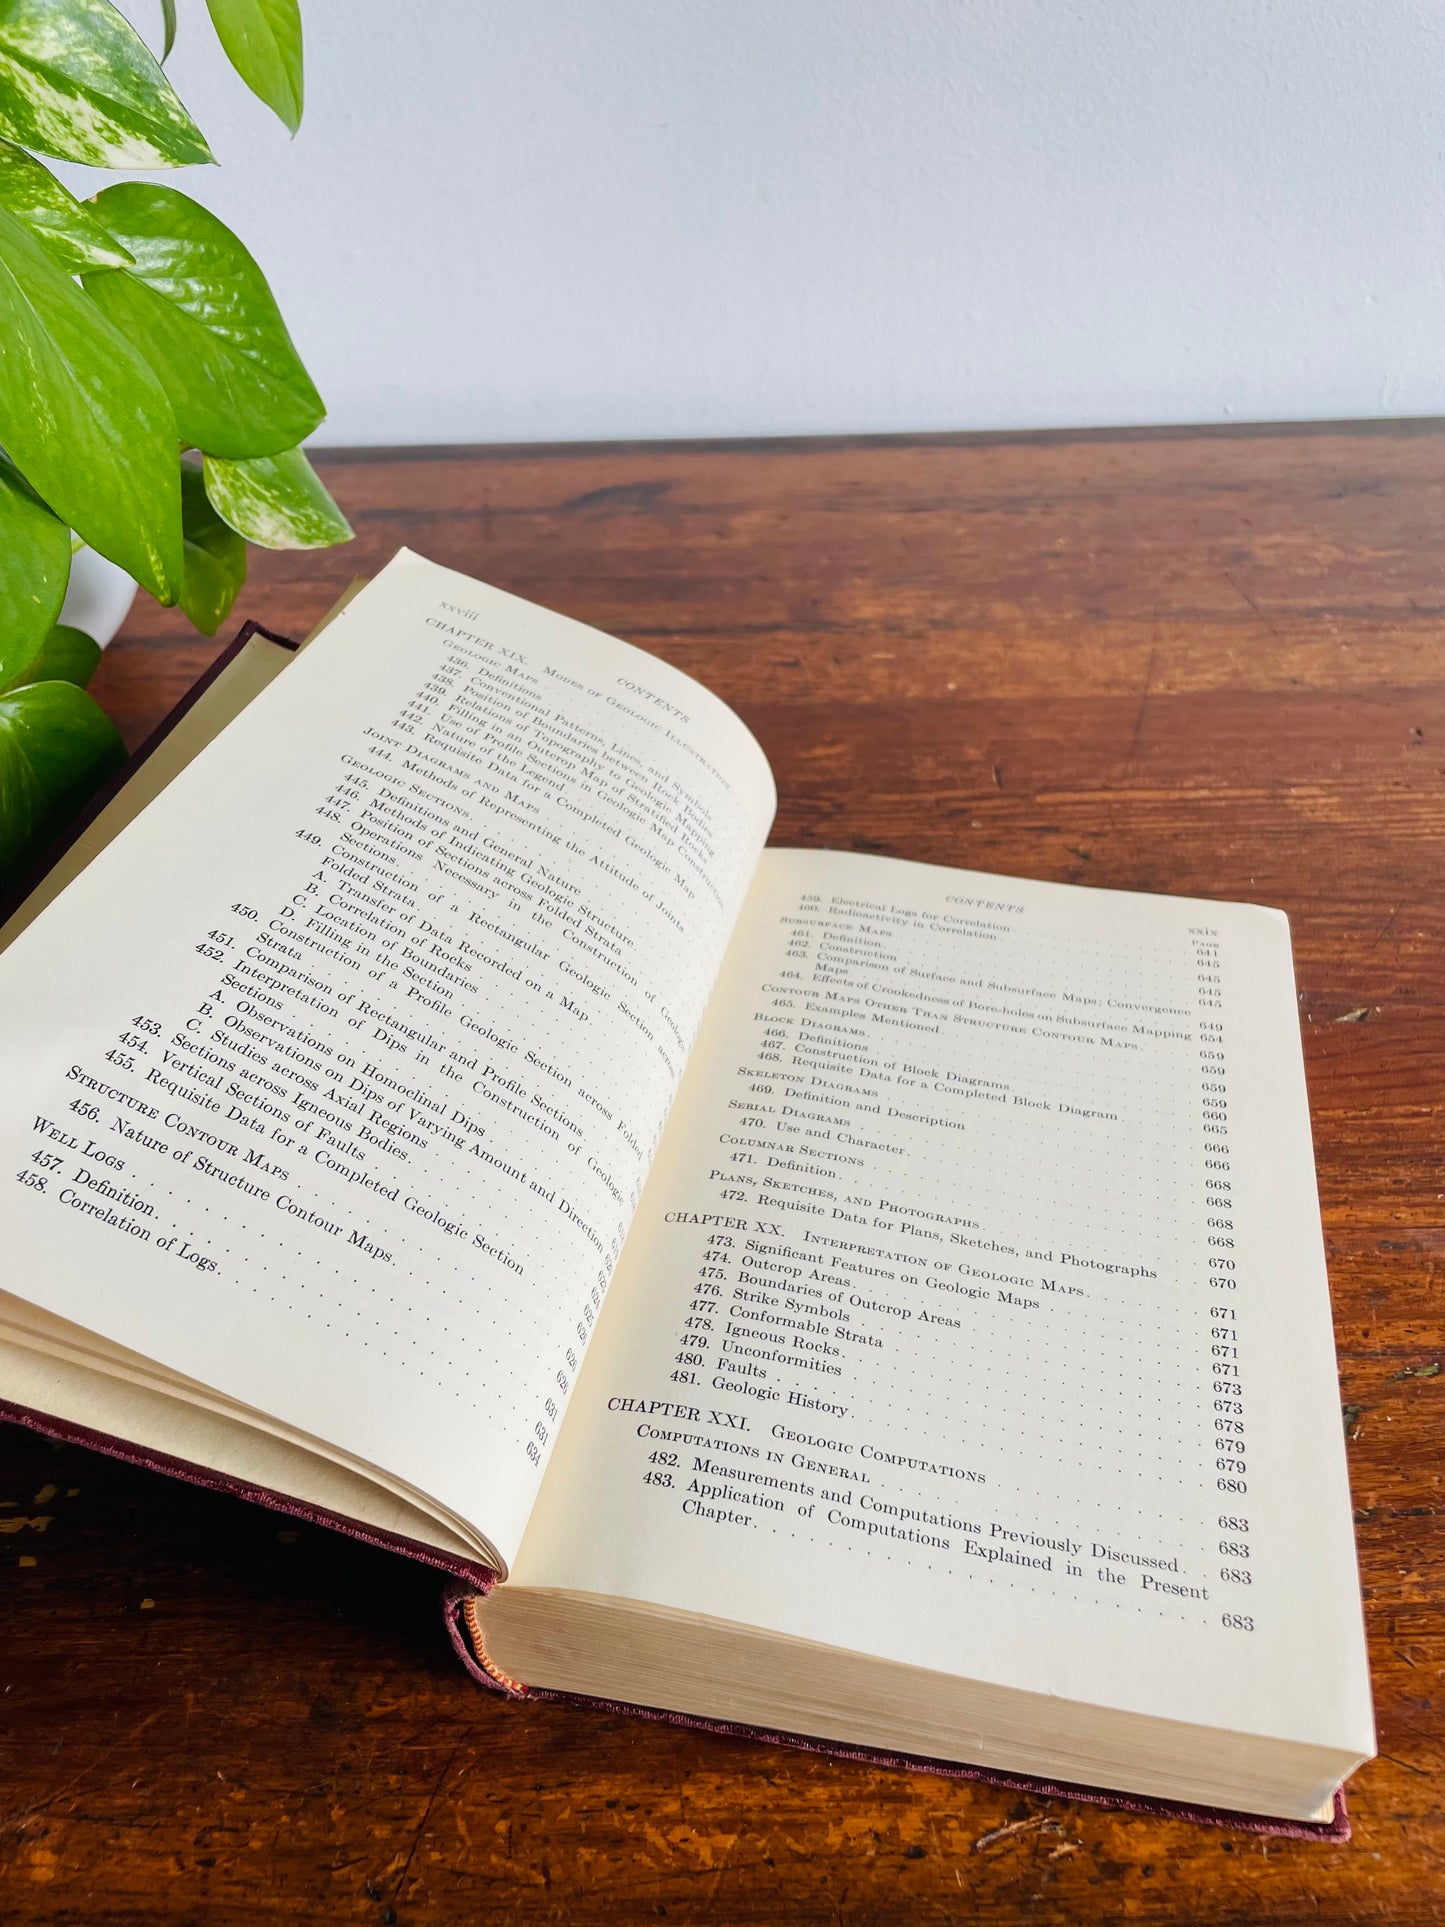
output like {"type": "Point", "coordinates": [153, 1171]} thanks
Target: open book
{"type": "Point", "coordinates": [861, 1300]}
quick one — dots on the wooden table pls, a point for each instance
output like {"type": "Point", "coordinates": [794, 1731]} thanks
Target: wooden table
{"type": "Point", "coordinates": [1205, 661]}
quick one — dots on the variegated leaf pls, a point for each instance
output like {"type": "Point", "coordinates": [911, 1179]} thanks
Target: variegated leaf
{"type": "Point", "coordinates": [34, 571]}
{"type": "Point", "coordinates": [84, 418]}
{"type": "Point", "coordinates": [66, 655]}
{"type": "Point", "coordinates": [215, 556]}
{"type": "Point", "coordinates": [279, 502]}
{"type": "Point", "coordinates": [262, 39]}
{"type": "Point", "coordinates": [57, 746]}
{"type": "Point", "coordinates": [198, 308]}
{"type": "Point", "coordinates": [67, 226]}
{"type": "Point", "coordinates": [77, 82]}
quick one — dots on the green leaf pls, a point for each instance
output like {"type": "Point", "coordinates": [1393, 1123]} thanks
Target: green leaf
{"type": "Point", "coordinates": [262, 39]}
{"type": "Point", "coordinates": [279, 502]}
{"type": "Point", "coordinates": [34, 569]}
{"type": "Point", "coordinates": [66, 226]}
{"type": "Point", "coordinates": [77, 82]}
{"type": "Point", "coordinates": [198, 308]}
{"type": "Point", "coordinates": [84, 418]}
{"type": "Point", "coordinates": [57, 746]}
{"type": "Point", "coordinates": [66, 655]}
{"type": "Point", "coordinates": [215, 556]}
{"type": "Point", "coordinates": [168, 18]}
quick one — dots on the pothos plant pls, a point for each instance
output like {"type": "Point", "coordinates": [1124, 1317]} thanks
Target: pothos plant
{"type": "Point", "coordinates": [151, 401]}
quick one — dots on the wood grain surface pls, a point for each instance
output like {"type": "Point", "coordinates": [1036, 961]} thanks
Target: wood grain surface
{"type": "Point", "coordinates": [1202, 661]}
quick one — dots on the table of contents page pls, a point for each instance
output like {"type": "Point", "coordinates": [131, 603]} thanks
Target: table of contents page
{"type": "Point", "coordinates": [981, 1268]}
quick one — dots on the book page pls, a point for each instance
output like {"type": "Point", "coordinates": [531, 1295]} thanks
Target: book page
{"type": "Point", "coordinates": [975, 1314]}
{"type": "Point", "coordinates": [332, 1082]}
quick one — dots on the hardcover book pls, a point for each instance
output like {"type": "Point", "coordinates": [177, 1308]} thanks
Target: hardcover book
{"type": "Point", "coordinates": [874, 1305]}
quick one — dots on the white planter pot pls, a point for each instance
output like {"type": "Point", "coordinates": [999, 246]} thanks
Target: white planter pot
{"type": "Point", "coordinates": [99, 597]}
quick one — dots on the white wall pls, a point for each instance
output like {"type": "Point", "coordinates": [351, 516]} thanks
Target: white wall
{"type": "Point", "coordinates": [559, 219]}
